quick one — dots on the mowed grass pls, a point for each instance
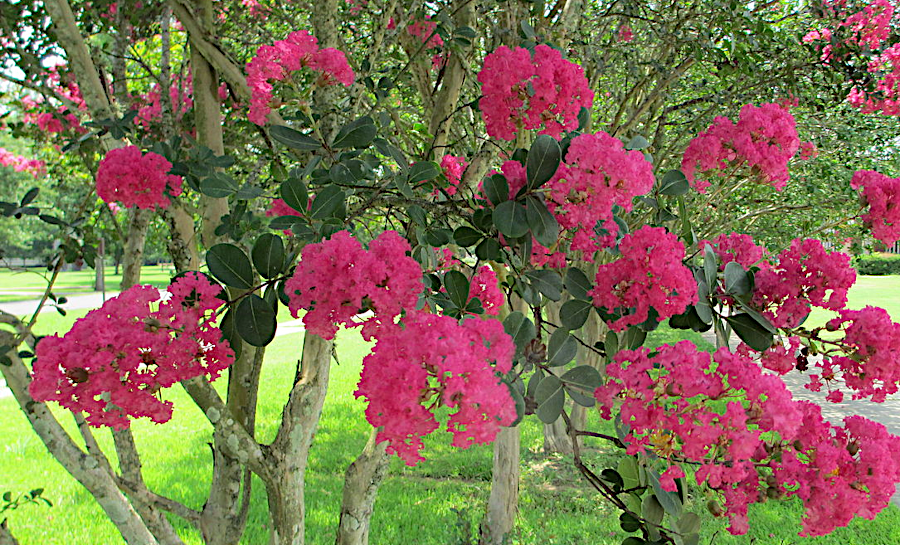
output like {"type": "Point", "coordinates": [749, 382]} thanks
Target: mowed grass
{"type": "Point", "coordinates": [29, 283]}
{"type": "Point", "coordinates": [878, 291]}
{"type": "Point", "coordinates": [432, 503]}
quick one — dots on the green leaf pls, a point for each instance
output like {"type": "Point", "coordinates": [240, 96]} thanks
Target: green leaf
{"type": "Point", "coordinates": [488, 250]}
{"type": "Point", "coordinates": [389, 150]}
{"type": "Point", "coordinates": [438, 237]}
{"type": "Point", "coordinates": [356, 134]}
{"type": "Point", "coordinates": [710, 265]}
{"type": "Point", "coordinates": [29, 197]}
{"type": "Point", "coordinates": [751, 332]}
{"type": "Point", "coordinates": [466, 236]}
{"type": "Point", "coordinates": [520, 328]}
{"type": "Point", "coordinates": [510, 219]}
{"type": "Point", "coordinates": [632, 540]}
{"type": "Point", "coordinates": [423, 170]}
{"type": "Point", "coordinates": [674, 183]}
{"type": "Point", "coordinates": [689, 523]}
{"type": "Point", "coordinates": [457, 286]}
{"type": "Point", "coordinates": [255, 320]}
{"type": "Point", "coordinates": [629, 523]}
{"type": "Point", "coordinates": [294, 139]}
{"type": "Point", "coordinates": [550, 398]}
{"type": "Point", "coordinates": [703, 308]}
{"type": "Point", "coordinates": [577, 284]}
{"type": "Point", "coordinates": [294, 194]}
{"type": "Point", "coordinates": [583, 377]}
{"type": "Point", "coordinates": [651, 510]}
{"type": "Point", "coordinates": [548, 282]}
{"type": "Point", "coordinates": [612, 477]}
{"type": "Point", "coordinates": [611, 344]}
{"type": "Point", "coordinates": [634, 338]}
{"type": "Point", "coordinates": [218, 186]}
{"type": "Point", "coordinates": [668, 500]}
{"type": "Point", "coordinates": [519, 402]}
{"type": "Point", "coordinates": [542, 223]}
{"type": "Point", "coordinates": [268, 255]}
{"type": "Point", "coordinates": [629, 470]}
{"type": "Point", "coordinates": [496, 189]}
{"type": "Point", "coordinates": [230, 265]}
{"type": "Point", "coordinates": [543, 160]}
{"type": "Point", "coordinates": [760, 319]}
{"type": "Point", "coordinates": [736, 280]}
{"type": "Point", "coordinates": [637, 143]}
{"type": "Point", "coordinates": [328, 201]}
{"type": "Point", "coordinates": [561, 349]}
{"type": "Point", "coordinates": [573, 314]}
{"type": "Point", "coordinates": [230, 333]}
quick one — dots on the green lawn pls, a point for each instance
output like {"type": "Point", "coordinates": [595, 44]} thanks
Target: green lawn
{"type": "Point", "coordinates": [32, 281]}
{"type": "Point", "coordinates": [879, 291]}
{"type": "Point", "coordinates": [427, 504]}
{"type": "Point", "coordinates": [433, 501]}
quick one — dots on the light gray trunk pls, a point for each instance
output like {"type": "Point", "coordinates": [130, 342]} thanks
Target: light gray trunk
{"type": "Point", "coordinates": [133, 255]}
{"type": "Point", "coordinates": [361, 482]}
{"type": "Point", "coordinates": [6, 537]}
{"type": "Point", "coordinates": [504, 498]}
{"type": "Point", "coordinates": [289, 452]}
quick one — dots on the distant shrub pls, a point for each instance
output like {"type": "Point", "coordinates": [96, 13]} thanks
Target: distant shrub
{"type": "Point", "coordinates": [877, 264]}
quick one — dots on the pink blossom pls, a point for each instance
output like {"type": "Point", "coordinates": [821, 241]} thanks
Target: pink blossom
{"type": "Point", "coordinates": [20, 163]}
{"type": "Point", "coordinates": [521, 92]}
{"type": "Point", "coordinates": [484, 286]}
{"type": "Point", "coordinates": [735, 247]}
{"type": "Point", "coordinates": [667, 479]}
{"type": "Point", "coordinates": [763, 140]}
{"type": "Point", "coordinates": [276, 63]}
{"type": "Point", "coordinates": [649, 275]}
{"type": "Point", "coordinates": [453, 168]}
{"type": "Point", "coordinates": [126, 176]}
{"type": "Point", "coordinates": [113, 363]}
{"type": "Point", "coordinates": [882, 195]}
{"type": "Point", "coordinates": [337, 278]}
{"type": "Point", "coordinates": [598, 173]}
{"type": "Point", "coordinates": [404, 379]}
{"type": "Point", "coordinates": [804, 275]}
{"type": "Point", "coordinates": [625, 34]}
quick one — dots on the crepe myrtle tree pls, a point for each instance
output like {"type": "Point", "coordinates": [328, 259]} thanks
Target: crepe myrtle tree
{"type": "Point", "coordinates": [505, 258]}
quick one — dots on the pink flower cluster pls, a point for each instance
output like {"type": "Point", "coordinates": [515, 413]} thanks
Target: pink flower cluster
{"type": "Point", "coordinates": [882, 194]}
{"type": "Point", "coordinates": [650, 274]}
{"type": "Point", "coordinates": [751, 439]}
{"type": "Point", "coordinates": [735, 247]}
{"type": "Point", "coordinates": [453, 168]}
{"type": "Point", "coordinates": [869, 364]}
{"type": "Point", "coordinates": [429, 361]}
{"type": "Point", "coordinates": [484, 286]}
{"type": "Point", "coordinates": [764, 139]}
{"type": "Point", "coordinates": [598, 173]}
{"type": "Point", "coordinates": [337, 278]}
{"type": "Point", "coordinates": [133, 179]}
{"type": "Point", "coordinates": [276, 62]}
{"type": "Point", "coordinates": [805, 275]}
{"type": "Point", "coordinates": [867, 29]}
{"type": "Point", "coordinates": [35, 167]}
{"type": "Point", "coordinates": [424, 31]}
{"type": "Point", "coordinates": [150, 104]}
{"type": "Point", "coordinates": [524, 92]}
{"type": "Point", "coordinates": [113, 363]}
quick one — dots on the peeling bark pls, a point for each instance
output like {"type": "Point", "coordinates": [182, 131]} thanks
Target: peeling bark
{"type": "Point", "coordinates": [289, 452]}
{"type": "Point", "coordinates": [504, 499]}
{"type": "Point", "coordinates": [6, 537]}
{"type": "Point", "coordinates": [361, 482]}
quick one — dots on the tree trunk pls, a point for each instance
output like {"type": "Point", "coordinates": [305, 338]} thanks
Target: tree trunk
{"type": "Point", "coordinates": [6, 537]}
{"type": "Point", "coordinates": [361, 482]}
{"type": "Point", "coordinates": [133, 255]}
{"type": "Point", "coordinates": [504, 499]}
{"type": "Point", "coordinates": [289, 452]}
